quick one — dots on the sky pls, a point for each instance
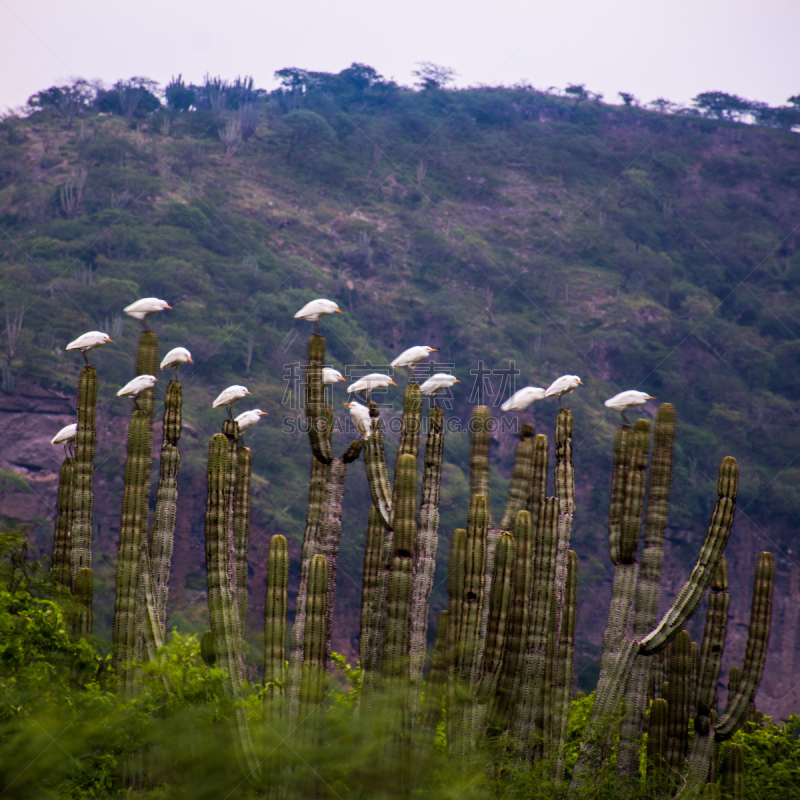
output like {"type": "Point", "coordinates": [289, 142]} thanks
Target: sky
{"type": "Point", "coordinates": [651, 48]}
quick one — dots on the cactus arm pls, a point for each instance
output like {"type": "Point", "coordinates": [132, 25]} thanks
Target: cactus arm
{"type": "Point", "coordinates": [319, 431]}
{"type": "Point", "coordinates": [61, 569]}
{"type": "Point", "coordinates": [275, 607]}
{"type": "Point", "coordinates": [377, 477]}
{"type": "Point", "coordinates": [565, 666]}
{"type": "Point", "coordinates": [427, 542]}
{"type": "Point", "coordinates": [519, 488]}
{"type": "Point", "coordinates": [564, 472]}
{"type": "Point", "coordinates": [657, 747]}
{"type": "Point", "coordinates": [150, 623]}
{"type": "Point", "coordinates": [480, 427]}
{"type": "Point", "coordinates": [691, 594]}
{"type": "Point", "coordinates": [755, 650]}
{"type": "Point", "coordinates": [313, 686]}
{"type": "Point", "coordinates": [241, 527]}
{"type": "Point", "coordinates": [541, 455]}
{"type": "Point", "coordinates": [331, 533]}
{"type": "Point", "coordinates": [84, 594]}
{"type": "Point", "coordinates": [373, 549]}
{"type": "Point", "coordinates": [83, 481]}
{"type": "Point", "coordinates": [412, 417]}
{"type": "Point", "coordinates": [679, 679]}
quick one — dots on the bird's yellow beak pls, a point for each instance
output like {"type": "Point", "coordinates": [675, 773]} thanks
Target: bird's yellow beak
{"type": "Point", "coordinates": [155, 379]}
{"type": "Point", "coordinates": [169, 307]}
{"type": "Point", "coordinates": [109, 340]}
{"type": "Point", "coordinates": [434, 350]}
{"type": "Point", "coordinates": [263, 413]}
{"type": "Point", "coordinates": [346, 405]}
{"type": "Point", "coordinates": [650, 398]}
{"type": "Point", "coordinates": [341, 379]}
{"type": "Point", "coordinates": [580, 381]}
{"type": "Point", "coordinates": [339, 311]}
{"type": "Point", "coordinates": [456, 381]}
{"type": "Point", "coordinates": [246, 392]}
{"type": "Point", "coordinates": [393, 383]}
{"type": "Point", "coordinates": [190, 360]}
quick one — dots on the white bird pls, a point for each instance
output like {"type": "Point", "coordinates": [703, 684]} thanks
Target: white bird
{"type": "Point", "coordinates": [176, 357]}
{"type": "Point", "coordinates": [563, 385]}
{"type": "Point", "coordinates": [66, 435]}
{"type": "Point", "coordinates": [361, 419]}
{"type": "Point", "coordinates": [141, 309]}
{"type": "Point", "coordinates": [331, 375]}
{"type": "Point", "coordinates": [138, 385]}
{"type": "Point", "coordinates": [441, 380]}
{"type": "Point", "coordinates": [520, 400]}
{"type": "Point", "coordinates": [375, 380]}
{"type": "Point", "coordinates": [229, 396]}
{"type": "Point", "coordinates": [315, 309]}
{"type": "Point", "coordinates": [249, 418]}
{"type": "Point", "coordinates": [624, 400]}
{"type": "Point", "coordinates": [88, 341]}
{"type": "Point", "coordinates": [408, 358]}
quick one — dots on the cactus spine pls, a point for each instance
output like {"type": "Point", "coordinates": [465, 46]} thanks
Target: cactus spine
{"type": "Point", "coordinates": [83, 481]}
{"type": "Point", "coordinates": [162, 535]}
{"type": "Point", "coordinates": [62, 539]}
{"type": "Point", "coordinates": [275, 607]}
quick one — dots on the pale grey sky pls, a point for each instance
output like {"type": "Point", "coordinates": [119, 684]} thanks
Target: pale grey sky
{"type": "Point", "coordinates": [652, 48]}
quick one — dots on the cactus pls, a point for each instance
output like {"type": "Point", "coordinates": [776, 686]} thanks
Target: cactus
{"type": "Point", "coordinates": [436, 684]}
{"type": "Point", "coordinates": [565, 662]}
{"type": "Point", "coordinates": [83, 481]}
{"type": "Point", "coordinates": [162, 534]}
{"type": "Point", "coordinates": [61, 570]}
{"type": "Point", "coordinates": [331, 532]}
{"type": "Point", "coordinates": [241, 528]}
{"type": "Point", "coordinates": [679, 676]}
{"type": "Point", "coordinates": [647, 589]}
{"type": "Point", "coordinates": [370, 623]}
{"type": "Point", "coordinates": [84, 592]}
{"type": "Point", "coordinates": [318, 428]}
{"type": "Point", "coordinates": [208, 650]}
{"type": "Point", "coordinates": [426, 545]}
{"type": "Point", "coordinates": [377, 477]}
{"type": "Point", "coordinates": [480, 425]}
{"type": "Point", "coordinates": [313, 686]}
{"type": "Point", "coordinates": [657, 773]}
{"type": "Point", "coordinates": [519, 487]}
{"type": "Point", "coordinates": [732, 773]}
{"type": "Point", "coordinates": [455, 600]}
{"type": "Point", "coordinates": [275, 606]}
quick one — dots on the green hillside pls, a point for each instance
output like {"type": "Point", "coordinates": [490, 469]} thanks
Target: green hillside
{"type": "Point", "coordinates": [506, 227]}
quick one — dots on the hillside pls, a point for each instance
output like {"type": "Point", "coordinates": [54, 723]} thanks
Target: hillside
{"type": "Point", "coordinates": [506, 227]}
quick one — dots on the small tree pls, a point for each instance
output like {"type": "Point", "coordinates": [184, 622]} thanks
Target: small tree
{"type": "Point", "coordinates": [307, 130]}
{"type": "Point", "coordinates": [662, 105]}
{"type": "Point", "coordinates": [628, 99]}
{"type": "Point", "coordinates": [720, 105]}
{"type": "Point", "coordinates": [433, 76]}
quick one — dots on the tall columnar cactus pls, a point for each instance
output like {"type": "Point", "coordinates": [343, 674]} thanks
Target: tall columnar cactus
{"type": "Point", "coordinates": [241, 527]}
{"type": "Point", "coordinates": [647, 590]}
{"type": "Point", "coordinates": [316, 418]}
{"type": "Point", "coordinates": [135, 511]}
{"type": "Point", "coordinates": [657, 728]}
{"type": "Point", "coordinates": [332, 531]}
{"type": "Point", "coordinates": [84, 592]}
{"type": "Point", "coordinates": [61, 571]}
{"type": "Point", "coordinates": [427, 541]}
{"type": "Point", "coordinates": [713, 644]}
{"type": "Point", "coordinates": [565, 665]}
{"type": "Point", "coordinates": [162, 534]}
{"type": "Point", "coordinates": [313, 686]}
{"type": "Point", "coordinates": [83, 482]}
{"type": "Point", "coordinates": [679, 679]}
{"type": "Point", "coordinates": [519, 488]}
{"type": "Point", "coordinates": [456, 564]}
{"type": "Point", "coordinates": [377, 477]}
{"type": "Point", "coordinates": [480, 424]}
{"type": "Point", "coordinates": [609, 694]}
{"type": "Point", "coordinates": [275, 606]}
{"type": "Point", "coordinates": [732, 773]}
{"type": "Point", "coordinates": [370, 624]}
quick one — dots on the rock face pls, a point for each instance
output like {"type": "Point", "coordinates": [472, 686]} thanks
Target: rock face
{"type": "Point", "coordinates": [30, 417]}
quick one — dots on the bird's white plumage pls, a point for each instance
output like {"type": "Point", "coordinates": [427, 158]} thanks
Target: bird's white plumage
{"type": "Point", "coordinates": [361, 419]}
{"type": "Point", "coordinates": [227, 397]}
{"type": "Point", "coordinates": [88, 341]}
{"type": "Point", "coordinates": [412, 356]}
{"type": "Point", "coordinates": [441, 380]}
{"type": "Point", "coordinates": [521, 399]}
{"type": "Point", "coordinates": [147, 305]}
{"type": "Point", "coordinates": [331, 375]}
{"type": "Point", "coordinates": [66, 434]}
{"type": "Point", "coordinates": [317, 308]}
{"type": "Point", "coordinates": [563, 385]}
{"type": "Point", "coordinates": [375, 380]}
{"type": "Point", "coordinates": [176, 357]}
{"type": "Point", "coordinates": [629, 399]}
{"type": "Point", "coordinates": [139, 384]}
{"type": "Point", "coordinates": [249, 418]}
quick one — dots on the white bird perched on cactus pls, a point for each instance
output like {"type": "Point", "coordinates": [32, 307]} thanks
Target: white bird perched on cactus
{"type": "Point", "coordinates": [375, 380]}
{"type": "Point", "coordinates": [176, 357]}
{"type": "Point", "coordinates": [139, 384]}
{"type": "Point", "coordinates": [624, 400]}
{"type": "Point", "coordinates": [563, 385]}
{"type": "Point", "coordinates": [361, 419]}
{"type": "Point", "coordinates": [317, 308]}
{"type": "Point", "coordinates": [88, 341]}
{"type": "Point", "coordinates": [441, 380]}
{"type": "Point", "coordinates": [249, 418]}
{"type": "Point", "coordinates": [65, 436]}
{"type": "Point", "coordinates": [141, 309]}
{"type": "Point", "coordinates": [227, 397]}
{"type": "Point", "coordinates": [408, 358]}
{"type": "Point", "coordinates": [523, 398]}
{"type": "Point", "coordinates": [331, 375]}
